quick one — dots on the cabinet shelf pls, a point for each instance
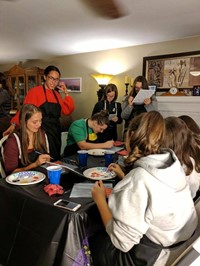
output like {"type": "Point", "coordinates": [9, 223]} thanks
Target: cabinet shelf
{"type": "Point", "coordinates": [20, 80]}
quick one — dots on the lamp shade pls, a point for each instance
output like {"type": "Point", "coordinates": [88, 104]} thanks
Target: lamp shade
{"type": "Point", "coordinates": [102, 79]}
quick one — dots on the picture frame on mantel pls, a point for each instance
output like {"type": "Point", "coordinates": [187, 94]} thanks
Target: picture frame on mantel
{"type": "Point", "coordinates": [73, 84]}
{"type": "Point", "coordinates": [172, 70]}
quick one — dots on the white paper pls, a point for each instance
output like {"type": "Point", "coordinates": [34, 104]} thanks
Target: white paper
{"type": "Point", "coordinates": [196, 262]}
{"type": "Point", "coordinates": [116, 149]}
{"type": "Point", "coordinates": [196, 245]}
{"type": "Point", "coordinates": [111, 116]}
{"type": "Point", "coordinates": [142, 95]}
{"type": "Point", "coordinates": [83, 190]}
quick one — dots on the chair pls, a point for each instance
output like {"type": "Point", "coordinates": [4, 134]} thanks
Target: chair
{"type": "Point", "coordinates": [177, 254]}
{"type": "Point", "coordinates": [2, 172]}
{"type": "Point", "coordinates": [63, 141]}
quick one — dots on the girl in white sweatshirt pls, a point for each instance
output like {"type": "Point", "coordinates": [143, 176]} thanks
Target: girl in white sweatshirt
{"type": "Point", "coordinates": [151, 208]}
{"type": "Point", "coordinates": [181, 140]}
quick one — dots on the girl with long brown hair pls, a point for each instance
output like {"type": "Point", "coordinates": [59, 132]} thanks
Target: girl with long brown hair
{"type": "Point", "coordinates": [181, 140]}
{"type": "Point", "coordinates": [22, 147]}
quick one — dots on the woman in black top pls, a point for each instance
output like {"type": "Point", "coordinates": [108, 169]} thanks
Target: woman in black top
{"type": "Point", "coordinates": [114, 108]}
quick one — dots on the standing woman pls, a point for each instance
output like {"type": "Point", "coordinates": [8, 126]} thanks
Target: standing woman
{"type": "Point", "coordinates": [4, 104]}
{"type": "Point", "coordinates": [52, 105]}
{"type": "Point", "coordinates": [129, 109]}
{"type": "Point", "coordinates": [114, 109]}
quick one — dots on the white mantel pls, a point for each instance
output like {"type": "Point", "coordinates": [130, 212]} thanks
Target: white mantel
{"type": "Point", "coordinates": [180, 105]}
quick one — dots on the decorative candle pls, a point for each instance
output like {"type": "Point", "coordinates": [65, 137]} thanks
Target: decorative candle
{"type": "Point", "coordinates": [132, 81]}
{"type": "Point", "coordinates": [126, 79]}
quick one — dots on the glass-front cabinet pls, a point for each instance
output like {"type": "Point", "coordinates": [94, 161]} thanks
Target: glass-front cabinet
{"type": "Point", "coordinates": [20, 81]}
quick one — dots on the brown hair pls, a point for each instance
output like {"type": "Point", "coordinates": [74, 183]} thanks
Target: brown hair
{"type": "Point", "coordinates": [144, 82]}
{"type": "Point", "coordinates": [145, 135]}
{"type": "Point", "coordinates": [179, 138]}
{"type": "Point", "coordinates": [192, 125]}
{"type": "Point", "coordinates": [26, 113]}
{"type": "Point", "coordinates": [101, 117]}
{"type": "Point", "coordinates": [109, 88]}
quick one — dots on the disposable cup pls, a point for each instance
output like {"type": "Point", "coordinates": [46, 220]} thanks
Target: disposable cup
{"type": "Point", "coordinates": [108, 156]}
{"type": "Point", "coordinates": [54, 173]}
{"type": "Point", "coordinates": [82, 158]}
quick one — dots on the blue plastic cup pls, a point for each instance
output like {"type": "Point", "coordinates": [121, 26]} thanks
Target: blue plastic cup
{"type": "Point", "coordinates": [54, 173]}
{"type": "Point", "coordinates": [108, 156]}
{"type": "Point", "coordinates": [82, 158]}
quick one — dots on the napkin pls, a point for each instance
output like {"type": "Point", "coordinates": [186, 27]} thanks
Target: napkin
{"type": "Point", "coordinates": [118, 143]}
{"type": "Point", "coordinates": [123, 153]}
{"type": "Point", "coordinates": [52, 189]}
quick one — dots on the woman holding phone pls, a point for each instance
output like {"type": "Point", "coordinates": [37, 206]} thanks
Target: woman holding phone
{"type": "Point", "coordinates": [114, 109]}
{"type": "Point", "coordinates": [52, 105]}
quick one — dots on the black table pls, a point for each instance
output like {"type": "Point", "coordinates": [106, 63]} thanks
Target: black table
{"type": "Point", "coordinates": [34, 232]}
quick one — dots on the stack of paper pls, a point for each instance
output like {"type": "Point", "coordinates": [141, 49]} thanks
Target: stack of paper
{"type": "Point", "coordinates": [142, 95]}
{"type": "Point", "coordinates": [83, 190]}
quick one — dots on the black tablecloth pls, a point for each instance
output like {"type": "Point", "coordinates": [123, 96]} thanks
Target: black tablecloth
{"type": "Point", "coordinates": [34, 232]}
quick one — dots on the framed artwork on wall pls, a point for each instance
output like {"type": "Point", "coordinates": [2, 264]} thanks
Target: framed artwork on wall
{"type": "Point", "coordinates": [73, 84]}
{"type": "Point", "coordinates": [172, 70]}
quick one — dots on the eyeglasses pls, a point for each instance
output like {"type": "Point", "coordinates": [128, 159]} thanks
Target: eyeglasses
{"type": "Point", "coordinates": [53, 79]}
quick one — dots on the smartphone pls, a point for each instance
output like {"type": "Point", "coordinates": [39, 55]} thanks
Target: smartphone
{"type": "Point", "coordinates": [68, 205]}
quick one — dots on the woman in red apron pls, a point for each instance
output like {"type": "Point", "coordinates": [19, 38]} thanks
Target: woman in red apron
{"type": "Point", "coordinates": [52, 105]}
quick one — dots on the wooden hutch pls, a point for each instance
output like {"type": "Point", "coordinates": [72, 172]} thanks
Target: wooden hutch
{"type": "Point", "coordinates": [20, 80]}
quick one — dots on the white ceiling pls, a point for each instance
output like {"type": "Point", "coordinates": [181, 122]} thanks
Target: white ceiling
{"type": "Point", "coordinates": [38, 29]}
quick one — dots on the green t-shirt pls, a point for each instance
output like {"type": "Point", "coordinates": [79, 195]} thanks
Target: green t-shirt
{"type": "Point", "coordinates": [78, 132]}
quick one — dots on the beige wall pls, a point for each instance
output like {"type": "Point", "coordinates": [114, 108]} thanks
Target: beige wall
{"type": "Point", "coordinates": [124, 61]}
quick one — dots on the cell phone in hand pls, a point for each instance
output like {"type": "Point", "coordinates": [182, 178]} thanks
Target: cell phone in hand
{"type": "Point", "coordinates": [68, 205]}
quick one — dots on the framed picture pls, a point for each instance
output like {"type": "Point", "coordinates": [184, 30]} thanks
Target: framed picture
{"type": "Point", "coordinates": [73, 84]}
{"type": "Point", "coordinates": [172, 70]}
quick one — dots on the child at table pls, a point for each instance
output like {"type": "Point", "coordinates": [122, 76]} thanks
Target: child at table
{"type": "Point", "coordinates": [151, 208]}
{"type": "Point", "coordinates": [192, 125]}
{"type": "Point", "coordinates": [82, 134]}
{"type": "Point", "coordinates": [22, 147]}
{"type": "Point", "coordinates": [181, 140]}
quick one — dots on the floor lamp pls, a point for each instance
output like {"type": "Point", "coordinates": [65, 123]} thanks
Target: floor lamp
{"type": "Point", "coordinates": [102, 80]}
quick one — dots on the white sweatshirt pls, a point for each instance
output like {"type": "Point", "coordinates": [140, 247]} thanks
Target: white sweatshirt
{"type": "Point", "coordinates": [193, 180]}
{"type": "Point", "coordinates": [153, 199]}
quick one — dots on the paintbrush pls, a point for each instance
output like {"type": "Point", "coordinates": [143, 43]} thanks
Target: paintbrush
{"type": "Point", "coordinates": [38, 152]}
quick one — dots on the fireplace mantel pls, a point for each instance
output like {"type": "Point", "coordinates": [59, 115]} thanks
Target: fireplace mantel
{"type": "Point", "coordinates": [179, 105]}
